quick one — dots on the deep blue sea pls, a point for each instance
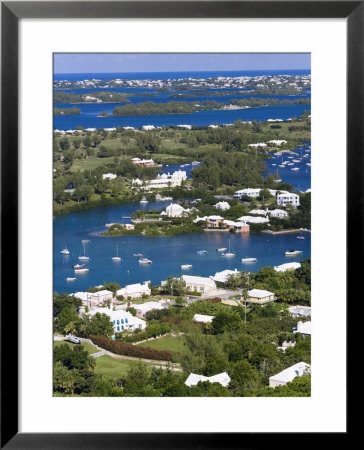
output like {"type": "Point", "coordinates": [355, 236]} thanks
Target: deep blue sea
{"type": "Point", "coordinates": [90, 112]}
{"type": "Point", "coordinates": [167, 253]}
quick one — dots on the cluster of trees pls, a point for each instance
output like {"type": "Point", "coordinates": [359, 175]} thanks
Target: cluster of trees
{"type": "Point", "coordinates": [150, 108]}
{"type": "Point", "coordinates": [66, 111]}
{"type": "Point", "coordinates": [223, 93]}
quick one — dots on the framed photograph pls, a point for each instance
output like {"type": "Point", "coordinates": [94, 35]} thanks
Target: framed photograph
{"type": "Point", "coordinates": [158, 163]}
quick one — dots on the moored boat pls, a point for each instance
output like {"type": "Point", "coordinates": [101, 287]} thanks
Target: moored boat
{"type": "Point", "coordinates": [246, 260]}
{"type": "Point", "coordinates": [145, 261]}
{"type": "Point", "coordinates": [293, 252]}
{"type": "Point", "coordinates": [83, 270]}
{"type": "Point", "coordinates": [186, 266]}
{"type": "Point", "coordinates": [222, 249]}
{"type": "Point", "coordinates": [201, 252]}
{"type": "Point", "coordinates": [71, 279]}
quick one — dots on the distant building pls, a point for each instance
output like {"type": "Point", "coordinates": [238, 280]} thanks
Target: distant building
{"type": "Point", "coordinates": [203, 318]}
{"type": "Point", "coordinates": [94, 299]}
{"type": "Point", "coordinates": [239, 227]}
{"type": "Point", "coordinates": [249, 192]}
{"type": "Point", "coordinates": [224, 206]}
{"type": "Point", "coordinates": [300, 311]}
{"type": "Point", "coordinates": [288, 375]}
{"type": "Point", "coordinates": [144, 308]}
{"type": "Point", "coordinates": [134, 290]}
{"type": "Point", "coordinates": [120, 319]}
{"type": "Point", "coordinates": [137, 182]}
{"type": "Point", "coordinates": [143, 162]}
{"type": "Point", "coordinates": [287, 266]}
{"type": "Point", "coordinates": [211, 221]}
{"type": "Point", "coordinates": [278, 213]}
{"type": "Point", "coordinates": [222, 378]}
{"type": "Point", "coordinates": [260, 296]}
{"type": "Point", "coordinates": [166, 180]}
{"type": "Point", "coordinates": [199, 284]}
{"type": "Point", "coordinates": [175, 210]}
{"type": "Point", "coordinates": [277, 142]}
{"type": "Point", "coordinates": [253, 219]}
{"type": "Point", "coordinates": [303, 328]}
{"type": "Point", "coordinates": [109, 176]}
{"type": "Point", "coordinates": [223, 276]}
{"type": "Point", "coordinates": [258, 144]}
{"type": "Point", "coordinates": [284, 199]}
{"type": "Point", "coordinates": [148, 127]}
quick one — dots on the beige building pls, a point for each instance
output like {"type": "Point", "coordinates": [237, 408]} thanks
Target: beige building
{"type": "Point", "coordinates": [260, 296]}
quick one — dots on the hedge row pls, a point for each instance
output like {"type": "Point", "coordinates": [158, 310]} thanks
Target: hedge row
{"type": "Point", "coordinates": [121, 348]}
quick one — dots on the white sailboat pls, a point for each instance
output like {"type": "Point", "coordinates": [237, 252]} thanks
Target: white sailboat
{"type": "Point", "coordinates": [65, 251]}
{"type": "Point", "coordinates": [84, 257]}
{"type": "Point", "coordinates": [229, 253]}
{"type": "Point", "coordinates": [186, 266]}
{"type": "Point", "coordinates": [117, 257]}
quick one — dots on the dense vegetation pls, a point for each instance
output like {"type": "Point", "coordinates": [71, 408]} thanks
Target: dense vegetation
{"type": "Point", "coordinates": [66, 111]}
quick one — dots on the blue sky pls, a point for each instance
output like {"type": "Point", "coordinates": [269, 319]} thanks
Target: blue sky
{"type": "Point", "coordinates": [177, 62]}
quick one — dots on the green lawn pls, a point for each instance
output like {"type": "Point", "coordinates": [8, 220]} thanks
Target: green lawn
{"type": "Point", "coordinates": [90, 163]}
{"type": "Point", "coordinates": [113, 368]}
{"type": "Point", "coordinates": [174, 344]}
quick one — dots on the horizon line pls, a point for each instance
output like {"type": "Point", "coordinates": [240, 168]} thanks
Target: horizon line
{"type": "Point", "coordinates": [186, 71]}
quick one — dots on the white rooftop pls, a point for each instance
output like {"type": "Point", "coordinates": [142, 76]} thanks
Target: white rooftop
{"type": "Point", "coordinates": [222, 378]}
{"type": "Point", "coordinates": [202, 318]}
{"type": "Point", "coordinates": [289, 374]}
{"type": "Point", "coordinates": [191, 279]}
{"type": "Point", "coordinates": [287, 266]}
{"type": "Point", "coordinates": [223, 276]}
{"type": "Point", "coordinates": [304, 327]}
{"type": "Point", "coordinates": [259, 293]}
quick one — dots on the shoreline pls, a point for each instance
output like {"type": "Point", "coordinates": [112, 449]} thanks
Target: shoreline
{"type": "Point", "coordinates": [297, 230]}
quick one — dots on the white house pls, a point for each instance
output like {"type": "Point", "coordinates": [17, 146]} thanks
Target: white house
{"type": "Point", "coordinates": [249, 192]}
{"type": "Point", "coordinates": [134, 290]}
{"type": "Point", "coordinates": [148, 127]}
{"type": "Point", "coordinates": [222, 378]}
{"type": "Point", "coordinates": [92, 299]}
{"type": "Point", "coordinates": [141, 310]}
{"type": "Point", "coordinates": [277, 142]}
{"type": "Point", "coordinates": [299, 311]}
{"type": "Point", "coordinates": [288, 375]}
{"type": "Point", "coordinates": [222, 277]}
{"type": "Point", "coordinates": [278, 213]}
{"type": "Point", "coordinates": [287, 266]}
{"type": "Point", "coordinates": [165, 180]}
{"type": "Point", "coordinates": [121, 320]}
{"type": "Point", "coordinates": [253, 219]}
{"type": "Point", "coordinates": [258, 144]}
{"type": "Point", "coordinates": [203, 318]}
{"type": "Point", "coordinates": [199, 284]}
{"type": "Point", "coordinates": [187, 127]}
{"type": "Point", "coordinates": [224, 206]}
{"type": "Point", "coordinates": [284, 199]}
{"type": "Point", "coordinates": [303, 328]}
{"type": "Point", "coordinates": [175, 210]}
{"type": "Point", "coordinates": [137, 182]}
{"type": "Point", "coordinates": [258, 212]}
{"type": "Point", "coordinates": [260, 296]}
{"type": "Point", "coordinates": [109, 176]}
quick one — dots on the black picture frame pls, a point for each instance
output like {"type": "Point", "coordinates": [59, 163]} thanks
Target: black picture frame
{"type": "Point", "coordinates": [11, 12]}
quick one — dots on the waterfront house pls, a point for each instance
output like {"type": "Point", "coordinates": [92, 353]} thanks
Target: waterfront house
{"type": "Point", "coordinates": [287, 266]}
{"type": "Point", "coordinates": [289, 374]}
{"type": "Point", "coordinates": [165, 180]}
{"type": "Point", "coordinates": [148, 127]}
{"type": "Point", "coordinates": [200, 284]}
{"type": "Point", "coordinates": [175, 210]}
{"type": "Point", "coordinates": [278, 213]}
{"type": "Point", "coordinates": [120, 319]}
{"type": "Point", "coordinates": [134, 290]}
{"type": "Point", "coordinates": [239, 227]}
{"type": "Point", "coordinates": [303, 328]}
{"type": "Point", "coordinates": [299, 311]}
{"type": "Point", "coordinates": [203, 318]}
{"type": "Point", "coordinates": [222, 378]}
{"type": "Point", "coordinates": [211, 221]}
{"type": "Point", "coordinates": [260, 296]}
{"type": "Point", "coordinates": [224, 206]}
{"type": "Point", "coordinates": [253, 219]}
{"type": "Point", "coordinates": [222, 277]}
{"type": "Point", "coordinates": [258, 212]}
